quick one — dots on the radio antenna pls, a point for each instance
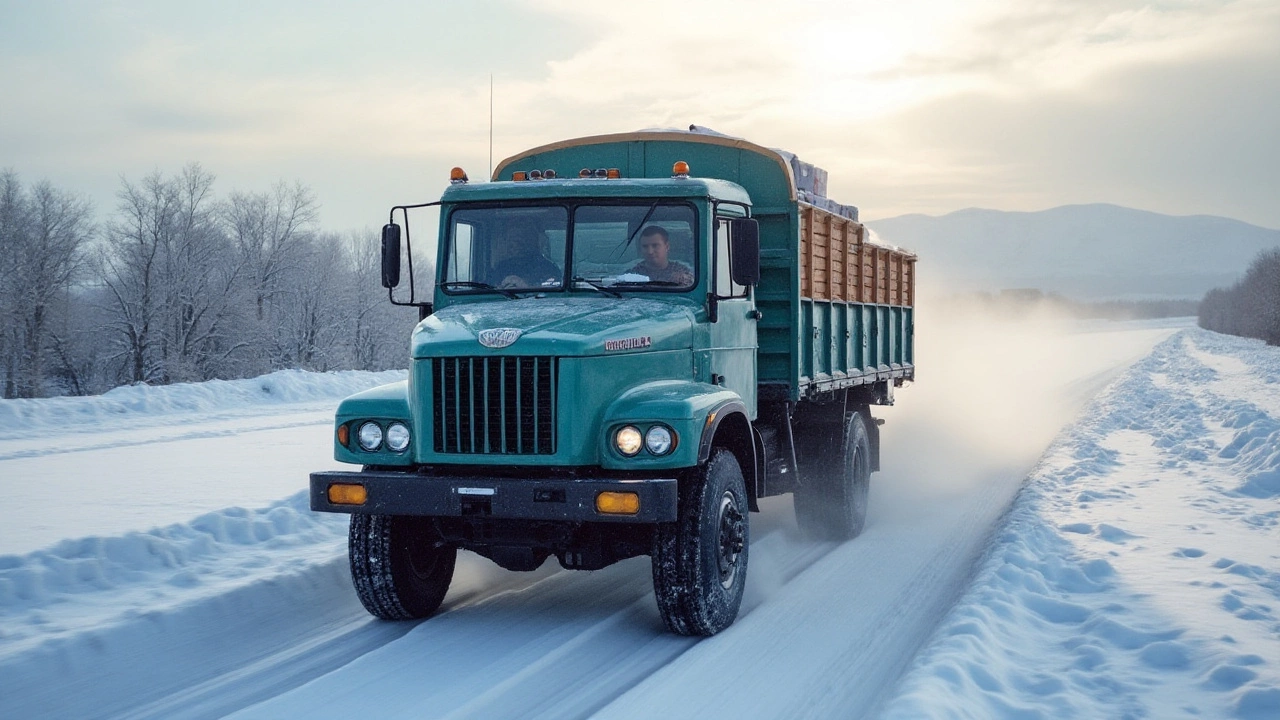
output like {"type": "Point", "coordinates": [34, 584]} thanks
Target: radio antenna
{"type": "Point", "coordinates": [490, 124]}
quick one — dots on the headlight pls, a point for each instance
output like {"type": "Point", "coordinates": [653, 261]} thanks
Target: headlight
{"type": "Point", "coordinates": [628, 440]}
{"type": "Point", "coordinates": [397, 437]}
{"type": "Point", "coordinates": [370, 436]}
{"type": "Point", "coordinates": [659, 440]}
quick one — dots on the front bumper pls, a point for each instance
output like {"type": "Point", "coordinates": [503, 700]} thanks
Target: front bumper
{"type": "Point", "coordinates": [569, 500]}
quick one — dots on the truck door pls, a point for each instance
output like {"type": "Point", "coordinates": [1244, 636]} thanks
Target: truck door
{"type": "Point", "coordinates": [733, 335]}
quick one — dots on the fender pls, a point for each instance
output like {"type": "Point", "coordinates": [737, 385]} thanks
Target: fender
{"type": "Point", "coordinates": [739, 437]}
{"type": "Point", "coordinates": [682, 405]}
{"type": "Point", "coordinates": [384, 404]}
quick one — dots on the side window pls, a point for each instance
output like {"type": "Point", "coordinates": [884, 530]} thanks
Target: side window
{"type": "Point", "coordinates": [725, 287]}
{"type": "Point", "coordinates": [461, 256]}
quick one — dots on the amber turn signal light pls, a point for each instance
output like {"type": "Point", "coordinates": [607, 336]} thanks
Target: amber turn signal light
{"type": "Point", "coordinates": [618, 503]}
{"type": "Point", "coordinates": [344, 494]}
{"type": "Point", "coordinates": [344, 434]}
{"type": "Point", "coordinates": [680, 169]}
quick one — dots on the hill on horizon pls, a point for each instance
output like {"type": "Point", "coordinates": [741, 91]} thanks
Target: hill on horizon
{"type": "Point", "coordinates": [1085, 252]}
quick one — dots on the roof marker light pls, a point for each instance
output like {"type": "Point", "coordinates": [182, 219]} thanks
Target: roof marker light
{"type": "Point", "coordinates": [535, 174]}
{"type": "Point", "coordinates": [680, 169]}
{"type": "Point", "coordinates": [519, 176]}
{"type": "Point", "coordinates": [614, 173]}
{"type": "Point", "coordinates": [457, 175]}
{"type": "Point", "coordinates": [584, 173]}
{"type": "Point", "coordinates": [601, 172]}
{"type": "Point", "coordinates": [549, 174]}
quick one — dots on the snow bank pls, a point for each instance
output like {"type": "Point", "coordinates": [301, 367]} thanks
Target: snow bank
{"type": "Point", "coordinates": [83, 583]}
{"type": "Point", "coordinates": [1138, 574]}
{"type": "Point", "coordinates": [24, 417]}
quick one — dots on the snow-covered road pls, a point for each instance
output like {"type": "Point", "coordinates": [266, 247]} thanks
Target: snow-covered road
{"type": "Point", "coordinates": [252, 610]}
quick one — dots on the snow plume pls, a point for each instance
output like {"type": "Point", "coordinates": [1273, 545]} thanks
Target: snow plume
{"type": "Point", "coordinates": [992, 391]}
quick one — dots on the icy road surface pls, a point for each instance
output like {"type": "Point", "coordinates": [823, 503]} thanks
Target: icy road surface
{"type": "Point", "coordinates": [102, 615]}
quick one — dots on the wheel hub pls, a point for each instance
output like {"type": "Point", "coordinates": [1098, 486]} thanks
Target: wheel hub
{"type": "Point", "coordinates": [732, 539]}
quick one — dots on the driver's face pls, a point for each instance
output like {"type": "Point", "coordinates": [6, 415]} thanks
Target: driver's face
{"type": "Point", "coordinates": [654, 250]}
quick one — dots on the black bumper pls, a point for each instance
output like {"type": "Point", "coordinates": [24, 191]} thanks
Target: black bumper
{"type": "Point", "coordinates": [402, 493]}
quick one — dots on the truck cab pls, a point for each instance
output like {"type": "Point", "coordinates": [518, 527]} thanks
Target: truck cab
{"type": "Point", "coordinates": [598, 376]}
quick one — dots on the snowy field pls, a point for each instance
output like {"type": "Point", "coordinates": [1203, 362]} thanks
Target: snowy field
{"type": "Point", "coordinates": [1092, 533]}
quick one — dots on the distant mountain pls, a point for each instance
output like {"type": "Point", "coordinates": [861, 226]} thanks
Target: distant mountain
{"type": "Point", "coordinates": [1087, 252]}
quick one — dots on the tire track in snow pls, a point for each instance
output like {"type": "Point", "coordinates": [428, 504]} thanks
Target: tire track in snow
{"type": "Point", "coordinates": [563, 646]}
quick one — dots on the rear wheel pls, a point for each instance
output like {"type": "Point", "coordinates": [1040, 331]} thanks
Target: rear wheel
{"type": "Point", "coordinates": [700, 561]}
{"type": "Point", "coordinates": [831, 503]}
{"type": "Point", "coordinates": [400, 569]}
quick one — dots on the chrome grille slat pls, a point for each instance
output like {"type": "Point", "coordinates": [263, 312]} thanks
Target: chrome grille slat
{"type": "Point", "coordinates": [514, 413]}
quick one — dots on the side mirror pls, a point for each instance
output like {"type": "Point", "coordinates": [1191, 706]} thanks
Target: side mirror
{"type": "Point", "coordinates": [744, 249]}
{"type": "Point", "coordinates": [390, 255]}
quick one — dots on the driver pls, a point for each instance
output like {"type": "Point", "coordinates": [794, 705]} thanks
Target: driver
{"type": "Point", "coordinates": [524, 265]}
{"type": "Point", "coordinates": [655, 244]}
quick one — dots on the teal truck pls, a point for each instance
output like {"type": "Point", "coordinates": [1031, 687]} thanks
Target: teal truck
{"type": "Point", "coordinates": [631, 340]}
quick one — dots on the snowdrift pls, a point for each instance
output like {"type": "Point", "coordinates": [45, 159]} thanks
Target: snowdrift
{"type": "Point", "coordinates": [1137, 574]}
{"type": "Point", "coordinates": [19, 418]}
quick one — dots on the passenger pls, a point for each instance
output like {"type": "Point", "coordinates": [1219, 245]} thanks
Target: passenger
{"type": "Point", "coordinates": [524, 265]}
{"type": "Point", "coordinates": [655, 244]}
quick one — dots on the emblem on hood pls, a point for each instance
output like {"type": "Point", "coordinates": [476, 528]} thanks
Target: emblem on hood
{"type": "Point", "coordinates": [499, 337]}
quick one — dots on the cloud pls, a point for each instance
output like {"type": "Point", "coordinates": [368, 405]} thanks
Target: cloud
{"type": "Point", "coordinates": [921, 105]}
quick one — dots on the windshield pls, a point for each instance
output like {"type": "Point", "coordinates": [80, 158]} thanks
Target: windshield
{"type": "Point", "coordinates": [634, 246]}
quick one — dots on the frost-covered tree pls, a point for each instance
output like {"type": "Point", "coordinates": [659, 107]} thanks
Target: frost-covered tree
{"type": "Point", "coordinates": [1251, 307]}
{"type": "Point", "coordinates": [272, 235]}
{"type": "Point", "coordinates": [171, 278]}
{"type": "Point", "coordinates": [43, 234]}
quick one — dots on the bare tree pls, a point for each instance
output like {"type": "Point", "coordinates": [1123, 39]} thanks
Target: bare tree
{"type": "Point", "coordinates": [14, 226]}
{"type": "Point", "coordinates": [170, 274]}
{"type": "Point", "coordinates": [45, 232]}
{"type": "Point", "coordinates": [1251, 307]}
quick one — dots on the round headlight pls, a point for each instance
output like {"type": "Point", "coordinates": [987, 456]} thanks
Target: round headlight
{"type": "Point", "coordinates": [397, 437]}
{"type": "Point", "coordinates": [370, 436]}
{"type": "Point", "coordinates": [659, 440]}
{"type": "Point", "coordinates": [628, 440]}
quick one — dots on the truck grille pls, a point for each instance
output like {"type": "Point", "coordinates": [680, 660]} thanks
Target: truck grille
{"type": "Point", "coordinates": [495, 405]}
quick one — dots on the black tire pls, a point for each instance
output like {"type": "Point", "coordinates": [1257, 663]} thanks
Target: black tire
{"type": "Point", "coordinates": [700, 561]}
{"type": "Point", "coordinates": [399, 569]}
{"type": "Point", "coordinates": [831, 503]}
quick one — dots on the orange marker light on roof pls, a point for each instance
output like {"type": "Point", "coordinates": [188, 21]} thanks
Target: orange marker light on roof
{"type": "Point", "coordinates": [614, 173]}
{"type": "Point", "coordinates": [680, 169]}
{"type": "Point", "coordinates": [519, 175]}
{"type": "Point", "coordinates": [457, 175]}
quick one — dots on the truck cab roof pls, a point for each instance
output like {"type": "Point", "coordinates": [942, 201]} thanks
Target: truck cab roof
{"type": "Point", "coordinates": [561, 188]}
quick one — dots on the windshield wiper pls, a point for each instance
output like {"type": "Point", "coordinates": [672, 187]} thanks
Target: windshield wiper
{"type": "Point", "coordinates": [480, 286]}
{"type": "Point", "coordinates": [618, 252]}
{"type": "Point", "coordinates": [598, 288]}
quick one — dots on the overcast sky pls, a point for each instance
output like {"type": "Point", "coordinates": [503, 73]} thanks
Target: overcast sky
{"type": "Point", "coordinates": [913, 106]}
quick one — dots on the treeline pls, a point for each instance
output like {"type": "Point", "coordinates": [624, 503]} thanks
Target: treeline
{"type": "Point", "coordinates": [1251, 307]}
{"type": "Point", "coordinates": [180, 285]}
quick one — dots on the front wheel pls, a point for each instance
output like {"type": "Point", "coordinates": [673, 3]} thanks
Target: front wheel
{"type": "Point", "coordinates": [398, 566]}
{"type": "Point", "coordinates": [700, 561]}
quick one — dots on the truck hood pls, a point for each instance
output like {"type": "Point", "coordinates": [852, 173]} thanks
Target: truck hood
{"type": "Point", "coordinates": [576, 326]}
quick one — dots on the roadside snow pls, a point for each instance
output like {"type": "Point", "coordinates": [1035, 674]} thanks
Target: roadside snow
{"type": "Point", "coordinates": [1138, 574]}
{"type": "Point", "coordinates": [132, 404]}
{"type": "Point", "coordinates": [142, 457]}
